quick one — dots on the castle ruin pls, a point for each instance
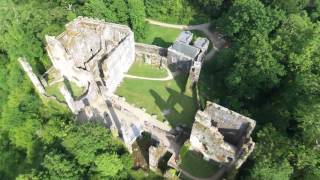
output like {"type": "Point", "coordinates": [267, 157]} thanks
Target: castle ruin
{"type": "Point", "coordinates": [96, 55]}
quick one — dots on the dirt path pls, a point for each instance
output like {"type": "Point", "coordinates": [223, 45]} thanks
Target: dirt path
{"type": "Point", "coordinates": [214, 37]}
{"type": "Point", "coordinates": [169, 77]}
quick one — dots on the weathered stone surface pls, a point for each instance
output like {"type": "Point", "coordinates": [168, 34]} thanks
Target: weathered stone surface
{"type": "Point", "coordinates": [151, 54]}
{"type": "Point", "coordinates": [202, 43]}
{"type": "Point", "coordinates": [91, 50]}
{"type": "Point", "coordinates": [185, 37]}
{"type": "Point", "coordinates": [222, 135]}
{"type": "Point", "coordinates": [186, 57]}
{"type": "Point", "coordinates": [34, 79]}
{"type": "Point", "coordinates": [206, 139]}
{"type": "Point", "coordinates": [96, 55]}
{"type": "Point", "coordinates": [155, 153]}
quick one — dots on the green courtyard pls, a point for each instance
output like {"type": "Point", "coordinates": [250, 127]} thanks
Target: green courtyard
{"type": "Point", "coordinates": [145, 70]}
{"type": "Point", "coordinates": [170, 100]}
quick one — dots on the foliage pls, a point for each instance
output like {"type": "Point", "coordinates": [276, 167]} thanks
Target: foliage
{"type": "Point", "coordinates": [137, 16]}
{"type": "Point", "coordinates": [255, 70]}
{"type": "Point", "coordinates": [270, 73]}
{"type": "Point", "coordinates": [177, 11]}
{"type": "Point", "coordinates": [247, 17]}
{"type": "Point", "coordinates": [57, 165]}
{"type": "Point", "coordinates": [39, 139]}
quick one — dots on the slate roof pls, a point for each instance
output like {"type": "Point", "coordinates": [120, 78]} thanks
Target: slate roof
{"type": "Point", "coordinates": [202, 43]}
{"type": "Point", "coordinates": [185, 49]}
{"type": "Point", "coordinates": [185, 37]}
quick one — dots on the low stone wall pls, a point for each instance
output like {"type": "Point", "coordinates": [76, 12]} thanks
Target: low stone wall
{"type": "Point", "coordinates": [151, 54]}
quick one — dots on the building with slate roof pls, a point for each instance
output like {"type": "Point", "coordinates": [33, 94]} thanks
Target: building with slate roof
{"type": "Point", "coordinates": [188, 57]}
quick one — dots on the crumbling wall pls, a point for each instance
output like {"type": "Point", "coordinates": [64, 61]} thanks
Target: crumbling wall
{"type": "Point", "coordinates": [118, 63]}
{"type": "Point", "coordinates": [210, 142]}
{"type": "Point", "coordinates": [178, 61]}
{"type": "Point", "coordinates": [222, 135]}
{"type": "Point", "coordinates": [151, 54]}
{"type": "Point", "coordinates": [155, 154]}
{"type": "Point", "coordinates": [34, 79]}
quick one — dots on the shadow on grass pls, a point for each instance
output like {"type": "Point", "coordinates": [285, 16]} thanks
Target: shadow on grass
{"type": "Point", "coordinates": [160, 42]}
{"type": "Point", "coordinates": [178, 109]}
{"type": "Point", "coordinates": [68, 86]}
{"type": "Point", "coordinates": [181, 81]}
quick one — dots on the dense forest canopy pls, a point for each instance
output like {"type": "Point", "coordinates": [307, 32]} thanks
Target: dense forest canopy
{"type": "Point", "coordinates": [270, 72]}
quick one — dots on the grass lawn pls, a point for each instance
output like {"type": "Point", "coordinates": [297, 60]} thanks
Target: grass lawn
{"type": "Point", "coordinates": [194, 164]}
{"type": "Point", "coordinates": [146, 70]}
{"type": "Point", "coordinates": [160, 36]}
{"type": "Point", "coordinates": [169, 100]}
{"type": "Point", "coordinates": [54, 89]}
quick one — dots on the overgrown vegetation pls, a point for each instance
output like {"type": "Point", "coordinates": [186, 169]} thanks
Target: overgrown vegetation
{"type": "Point", "coordinates": [270, 72]}
{"type": "Point", "coordinates": [39, 138]}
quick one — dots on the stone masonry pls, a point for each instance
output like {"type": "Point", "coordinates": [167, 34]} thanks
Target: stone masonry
{"type": "Point", "coordinates": [96, 55]}
{"type": "Point", "coordinates": [222, 135]}
{"type": "Point", "coordinates": [187, 57]}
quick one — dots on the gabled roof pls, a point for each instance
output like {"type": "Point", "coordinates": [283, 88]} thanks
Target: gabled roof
{"type": "Point", "coordinates": [185, 37]}
{"type": "Point", "coordinates": [201, 43]}
{"type": "Point", "coordinates": [185, 49]}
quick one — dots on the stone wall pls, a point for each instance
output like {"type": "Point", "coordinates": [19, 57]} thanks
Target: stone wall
{"type": "Point", "coordinates": [178, 61]}
{"type": "Point", "coordinates": [151, 54]}
{"type": "Point", "coordinates": [118, 63]}
{"type": "Point", "coordinates": [222, 135]}
{"type": "Point", "coordinates": [34, 79]}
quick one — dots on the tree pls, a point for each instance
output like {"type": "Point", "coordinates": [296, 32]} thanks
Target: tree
{"type": "Point", "coordinates": [247, 17]}
{"type": "Point", "coordinates": [114, 11]}
{"type": "Point", "coordinates": [57, 166]}
{"type": "Point", "coordinates": [255, 69]}
{"type": "Point", "coordinates": [297, 44]}
{"type": "Point", "coordinates": [165, 10]}
{"type": "Point", "coordinates": [103, 166]}
{"type": "Point", "coordinates": [276, 171]}
{"type": "Point", "coordinates": [137, 17]}
{"type": "Point", "coordinates": [290, 6]}
{"type": "Point", "coordinates": [84, 142]}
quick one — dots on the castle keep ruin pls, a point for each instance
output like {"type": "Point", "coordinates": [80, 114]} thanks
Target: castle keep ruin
{"type": "Point", "coordinates": [222, 135]}
{"type": "Point", "coordinates": [96, 55]}
{"type": "Point", "coordinates": [93, 51]}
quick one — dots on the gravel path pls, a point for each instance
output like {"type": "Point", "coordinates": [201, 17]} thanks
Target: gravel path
{"type": "Point", "coordinates": [169, 77]}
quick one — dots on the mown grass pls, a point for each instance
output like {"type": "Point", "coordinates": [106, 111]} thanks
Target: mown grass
{"type": "Point", "coordinates": [169, 100]}
{"type": "Point", "coordinates": [160, 36]}
{"type": "Point", "coordinates": [146, 70]}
